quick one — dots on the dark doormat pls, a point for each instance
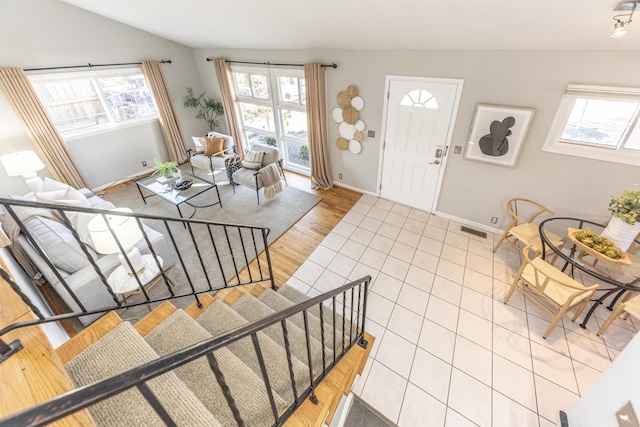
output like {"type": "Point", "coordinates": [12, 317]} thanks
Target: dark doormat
{"type": "Point", "coordinates": [361, 414]}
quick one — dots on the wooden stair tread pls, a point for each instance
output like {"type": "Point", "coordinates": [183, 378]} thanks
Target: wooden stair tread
{"type": "Point", "coordinates": [88, 336]}
{"type": "Point", "coordinates": [194, 311]}
{"type": "Point", "coordinates": [149, 322]}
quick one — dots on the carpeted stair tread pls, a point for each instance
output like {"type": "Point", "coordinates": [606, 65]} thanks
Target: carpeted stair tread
{"type": "Point", "coordinates": [252, 309]}
{"type": "Point", "coordinates": [278, 303]}
{"type": "Point", "coordinates": [179, 331]}
{"type": "Point", "coordinates": [219, 318]}
{"type": "Point", "coordinates": [295, 296]}
{"type": "Point", "coordinates": [121, 349]}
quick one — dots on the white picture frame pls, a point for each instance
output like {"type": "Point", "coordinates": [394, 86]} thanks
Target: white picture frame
{"type": "Point", "coordinates": [497, 134]}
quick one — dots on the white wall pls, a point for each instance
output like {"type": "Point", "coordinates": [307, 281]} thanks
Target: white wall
{"type": "Point", "coordinates": [473, 190]}
{"type": "Point", "coordinates": [45, 33]}
{"type": "Point", "coordinates": [611, 391]}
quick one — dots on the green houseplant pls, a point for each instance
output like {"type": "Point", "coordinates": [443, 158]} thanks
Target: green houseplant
{"type": "Point", "coordinates": [208, 109]}
{"type": "Point", "coordinates": [626, 206]}
{"type": "Point", "coordinates": [165, 169]}
{"type": "Point", "coordinates": [624, 225]}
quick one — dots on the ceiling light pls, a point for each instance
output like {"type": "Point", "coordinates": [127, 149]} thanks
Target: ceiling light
{"type": "Point", "coordinates": [621, 27]}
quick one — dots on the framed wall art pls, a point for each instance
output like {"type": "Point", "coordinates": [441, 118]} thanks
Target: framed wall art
{"type": "Point", "coordinates": [497, 134]}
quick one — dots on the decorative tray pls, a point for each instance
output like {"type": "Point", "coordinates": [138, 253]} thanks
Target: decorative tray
{"type": "Point", "coordinates": [572, 232]}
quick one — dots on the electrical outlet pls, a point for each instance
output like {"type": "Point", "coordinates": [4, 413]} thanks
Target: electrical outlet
{"type": "Point", "coordinates": [494, 220]}
{"type": "Point", "coordinates": [626, 416]}
{"type": "Point", "coordinates": [144, 163]}
{"type": "Point", "coordinates": [339, 176]}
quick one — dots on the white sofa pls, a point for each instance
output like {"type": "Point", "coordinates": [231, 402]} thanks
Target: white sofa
{"type": "Point", "coordinates": [71, 264]}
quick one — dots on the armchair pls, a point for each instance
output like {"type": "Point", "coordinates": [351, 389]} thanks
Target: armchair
{"type": "Point", "coordinates": [238, 174]}
{"type": "Point", "coordinates": [200, 158]}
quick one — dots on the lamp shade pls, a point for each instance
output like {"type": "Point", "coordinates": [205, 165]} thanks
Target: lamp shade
{"type": "Point", "coordinates": [125, 228]}
{"type": "Point", "coordinates": [21, 163]}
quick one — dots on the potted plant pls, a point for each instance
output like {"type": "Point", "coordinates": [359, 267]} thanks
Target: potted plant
{"type": "Point", "coordinates": [165, 169]}
{"type": "Point", "coordinates": [624, 225]}
{"type": "Point", "coordinates": [208, 109]}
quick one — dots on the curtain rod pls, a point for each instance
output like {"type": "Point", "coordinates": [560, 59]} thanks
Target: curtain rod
{"type": "Point", "coordinates": [332, 65]}
{"type": "Point", "coordinates": [90, 65]}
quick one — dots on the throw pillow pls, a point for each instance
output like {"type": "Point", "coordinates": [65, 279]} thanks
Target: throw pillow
{"type": "Point", "coordinates": [213, 146]}
{"type": "Point", "coordinates": [52, 185]}
{"type": "Point", "coordinates": [252, 159]}
{"type": "Point", "coordinates": [199, 143]}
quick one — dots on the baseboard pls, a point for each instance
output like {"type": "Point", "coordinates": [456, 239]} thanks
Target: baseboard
{"type": "Point", "coordinates": [470, 223]}
{"type": "Point", "coordinates": [359, 190]}
{"type": "Point", "coordinates": [135, 176]}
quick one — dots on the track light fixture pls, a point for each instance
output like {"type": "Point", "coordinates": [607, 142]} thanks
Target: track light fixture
{"type": "Point", "coordinates": [621, 27]}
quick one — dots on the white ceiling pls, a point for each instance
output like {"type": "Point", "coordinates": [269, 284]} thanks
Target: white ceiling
{"type": "Point", "coordinates": [375, 24]}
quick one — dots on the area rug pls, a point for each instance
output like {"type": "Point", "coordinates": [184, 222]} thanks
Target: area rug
{"type": "Point", "coordinates": [209, 256]}
{"type": "Point", "coordinates": [240, 207]}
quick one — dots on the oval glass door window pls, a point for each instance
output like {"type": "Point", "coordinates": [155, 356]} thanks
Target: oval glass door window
{"type": "Point", "coordinates": [336, 115]}
{"type": "Point", "coordinates": [354, 146]}
{"type": "Point", "coordinates": [357, 102]}
{"type": "Point", "coordinates": [347, 130]}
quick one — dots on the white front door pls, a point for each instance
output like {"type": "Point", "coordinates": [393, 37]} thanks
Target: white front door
{"type": "Point", "coordinates": [420, 114]}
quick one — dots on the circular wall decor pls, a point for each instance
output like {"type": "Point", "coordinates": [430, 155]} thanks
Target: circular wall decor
{"type": "Point", "coordinates": [336, 115]}
{"type": "Point", "coordinates": [350, 115]}
{"type": "Point", "coordinates": [354, 146]}
{"type": "Point", "coordinates": [344, 100]}
{"type": "Point", "coordinates": [342, 143]}
{"type": "Point", "coordinates": [347, 130]}
{"type": "Point", "coordinates": [357, 102]}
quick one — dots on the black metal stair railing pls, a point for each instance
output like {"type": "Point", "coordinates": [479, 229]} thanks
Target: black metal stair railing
{"type": "Point", "coordinates": [137, 377]}
{"type": "Point", "coordinates": [208, 256]}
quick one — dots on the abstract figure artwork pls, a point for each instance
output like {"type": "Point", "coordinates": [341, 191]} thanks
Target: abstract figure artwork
{"type": "Point", "coordinates": [497, 134]}
{"type": "Point", "coordinates": [496, 143]}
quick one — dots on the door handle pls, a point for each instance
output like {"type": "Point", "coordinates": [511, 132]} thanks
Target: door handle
{"type": "Point", "coordinates": [435, 162]}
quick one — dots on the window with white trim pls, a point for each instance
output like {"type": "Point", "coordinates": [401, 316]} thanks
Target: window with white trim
{"type": "Point", "coordinates": [88, 101]}
{"type": "Point", "coordinates": [272, 105]}
{"type": "Point", "coordinates": [597, 122]}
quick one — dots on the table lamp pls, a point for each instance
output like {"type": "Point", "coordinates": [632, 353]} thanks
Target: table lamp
{"type": "Point", "coordinates": [102, 229]}
{"type": "Point", "coordinates": [25, 163]}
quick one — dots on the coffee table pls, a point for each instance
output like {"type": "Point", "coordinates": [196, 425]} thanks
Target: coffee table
{"type": "Point", "coordinates": [178, 197]}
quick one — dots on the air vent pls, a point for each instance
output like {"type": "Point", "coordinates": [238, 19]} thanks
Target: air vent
{"type": "Point", "coordinates": [474, 232]}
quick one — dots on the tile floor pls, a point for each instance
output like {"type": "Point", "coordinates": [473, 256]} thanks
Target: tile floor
{"type": "Point", "coordinates": [448, 351]}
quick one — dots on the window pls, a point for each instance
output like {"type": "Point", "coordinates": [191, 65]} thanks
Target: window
{"type": "Point", "coordinates": [89, 101]}
{"type": "Point", "coordinates": [419, 98]}
{"type": "Point", "coordinates": [599, 123]}
{"type": "Point", "coordinates": [272, 104]}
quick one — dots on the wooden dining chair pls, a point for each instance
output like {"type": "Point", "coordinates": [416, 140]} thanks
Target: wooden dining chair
{"type": "Point", "coordinates": [523, 230]}
{"type": "Point", "coordinates": [547, 286]}
{"type": "Point", "coordinates": [628, 307]}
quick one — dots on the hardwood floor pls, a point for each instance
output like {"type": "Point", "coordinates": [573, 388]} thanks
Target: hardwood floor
{"type": "Point", "coordinates": [291, 249]}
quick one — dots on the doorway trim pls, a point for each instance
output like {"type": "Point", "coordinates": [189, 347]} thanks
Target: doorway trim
{"type": "Point", "coordinates": [383, 132]}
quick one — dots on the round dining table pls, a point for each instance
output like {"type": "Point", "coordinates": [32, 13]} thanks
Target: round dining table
{"type": "Point", "coordinates": [614, 276]}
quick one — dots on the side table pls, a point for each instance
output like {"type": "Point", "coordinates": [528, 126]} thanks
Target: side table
{"type": "Point", "coordinates": [126, 284]}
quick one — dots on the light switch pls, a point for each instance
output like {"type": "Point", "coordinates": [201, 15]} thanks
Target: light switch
{"type": "Point", "coordinates": [371, 134]}
{"type": "Point", "coordinates": [626, 416]}
{"type": "Point", "coordinates": [457, 149]}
